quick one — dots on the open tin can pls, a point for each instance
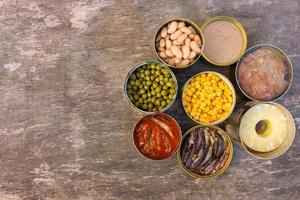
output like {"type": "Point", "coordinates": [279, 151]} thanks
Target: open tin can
{"type": "Point", "coordinates": [227, 81]}
{"type": "Point", "coordinates": [212, 42]}
{"type": "Point", "coordinates": [282, 58]}
{"type": "Point", "coordinates": [236, 124]}
{"type": "Point", "coordinates": [217, 173]}
{"type": "Point", "coordinates": [150, 142]}
{"type": "Point", "coordinates": [133, 70]}
{"type": "Point", "coordinates": [188, 22]}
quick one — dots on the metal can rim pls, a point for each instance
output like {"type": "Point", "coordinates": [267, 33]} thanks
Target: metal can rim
{"type": "Point", "coordinates": [190, 22]}
{"type": "Point", "coordinates": [240, 27]}
{"type": "Point", "coordinates": [284, 109]}
{"type": "Point", "coordinates": [228, 82]}
{"type": "Point", "coordinates": [276, 48]}
{"type": "Point", "coordinates": [142, 64]}
{"type": "Point", "coordinates": [179, 143]}
{"type": "Point", "coordinates": [218, 173]}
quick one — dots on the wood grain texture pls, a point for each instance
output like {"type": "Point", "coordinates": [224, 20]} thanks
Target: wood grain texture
{"type": "Point", "coordinates": [65, 127]}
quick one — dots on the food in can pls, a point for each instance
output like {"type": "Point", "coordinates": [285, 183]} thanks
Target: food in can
{"type": "Point", "coordinates": [205, 151]}
{"type": "Point", "coordinates": [157, 136]}
{"type": "Point", "coordinates": [207, 98]}
{"type": "Point", "coordinates": [224, 41]}
{"type": "Point", "coordinates": [262, 74]}
{"type": "Point", "coordinates": [178, 44]}
{"type": "Point", "coordinates": [263, 127]}
{"type": "Point", "coordinates": [151, 87]}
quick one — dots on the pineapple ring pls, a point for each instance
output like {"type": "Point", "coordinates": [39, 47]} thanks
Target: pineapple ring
{"type": "Point", "coordinates": [275, 128]}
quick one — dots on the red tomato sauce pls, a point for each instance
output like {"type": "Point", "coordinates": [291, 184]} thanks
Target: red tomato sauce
{"type": "Point", "coordinates": [157, 136]}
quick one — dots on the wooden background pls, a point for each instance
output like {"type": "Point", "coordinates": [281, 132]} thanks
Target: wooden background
{"type": "Point", "coordinates": [65, 127]}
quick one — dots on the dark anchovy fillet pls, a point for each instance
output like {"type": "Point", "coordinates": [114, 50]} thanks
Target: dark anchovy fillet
{"type": "Point", "coordinates": [221, 146]}
{"type": "Point", "coordinates": [199, 141]}
{"type": "Point", "coordinates": [206, 137]}
{"type": "Point", "coordinates": [207, 158]}
{"type": "Point", "coordinates": [198, 159]}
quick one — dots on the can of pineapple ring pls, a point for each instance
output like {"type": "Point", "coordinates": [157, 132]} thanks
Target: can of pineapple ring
{"type": "Point", "coordinates": [234, 123]}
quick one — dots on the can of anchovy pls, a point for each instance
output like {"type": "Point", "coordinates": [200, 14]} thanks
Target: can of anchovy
{"type": "Point", "coordinates": [214, 144]}
{"type": "Point", "coordinates": [254, 84]}
{"type": "Point", "coordinates": [187, 22]}
{"type": "Point", "coordinates": [265, 130]}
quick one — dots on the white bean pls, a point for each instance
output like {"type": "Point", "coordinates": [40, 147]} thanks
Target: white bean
{"type": "Point", "coordinates": [186, 30]}
{"type": "Point", "coordinates": [175, 35]}
{"type": "Point", "coordinates": [176, 51]}
{"type": "Point", "coordinates": [192, 54]}
{"type": "Point", "coordinates": [162, 54]}
{"type": "Point", "coordinates": [164, 32]}
{"type": "Point", "coordinates": [185, 52]}
{"type": "Point", "coordinates": [177, 60]}
{"type": "Point", "coordinates": [192, 36]}
{"type": "Point", "coordinates": [194, 46]}
{"type": "Point", "coordinates": [175, 42]}
{"type": "Point", "coordinates": [162, 43]}
{"type": "Point", "coordinates": [161, 49]}
{"type": "Point", "coordinates": [171, 61]}
{"type": "Point", "coordinates": [168, 44]}
{"type": "Point", "coordinates": [169, 53]}
{"type": "Point", "coordinates": [187, 41]}
{"type": "Point", "coordinates": [181, 24]}
{"type": "Point", "coordinates": [173, 27]}
{"type": "Point", "coordinates": [197, 38]}
{"type": "Point", "coordinates": [192, 29]}
{"type": "Point", "coordinates": [182, 37]}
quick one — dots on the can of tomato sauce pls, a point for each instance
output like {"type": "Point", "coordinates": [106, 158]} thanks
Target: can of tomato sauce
{"type": "Point", "coordinates": [157, 136]}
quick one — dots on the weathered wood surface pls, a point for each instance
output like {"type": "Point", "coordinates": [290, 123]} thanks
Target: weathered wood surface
{"type": "Point", "coordinates": [65, 127]}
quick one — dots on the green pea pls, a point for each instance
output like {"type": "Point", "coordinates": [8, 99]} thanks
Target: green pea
{"type": "Point", "coordinates": [171, 79]}
{"type": "Point", "coordinates": [146, 101]}
{"type": "Point", "coordinates": [149, 94]}
{"type": "Point", "coordinates": [142, 71]}
{"type": "Point", "coordinates": [157, 79]}
{"type": "Point", "coordinates": [144, 96]}
{"type": "Point", "coordinates": [133, 76]}
{"type": "Point", "coordinates": [130, 97]}
{"type": "Point", "coordinates": [154, 109]}
{"type": "Point", "coordinates": [166, 97]}
{"type": "Point", "coordinates": [165, 71]}
{"type": "Point", "coordinates": [146, 87]}
{"type": "Point", "coordinates": [153, 92]}
{"type": "Point", "coordinates": [147, 78]}
{"type": "Point", "coordinates": [166, 79]}
{"type": "Point", "coordinates": [163, 92]}
{"type": "Point", "coordinates": [157, 102]}
{"type": "Point", "coordinates": [171, 96]}
{"type": "Point", "coordinates": [137, 82]}
{"type": "Point", "coordinates": [153, 66]}
{"type": "Point", "coordinates": [165, 87]}
{"type": "Point", "coordinates": [152, 71]}
{"type": "Point", "coordinates": [157, 89]}
{"type": "Point", "coordinates": [170, 84]}
{"type": "Point", "coordinates": [157, 73]}
{"type": "Point", "coordinates": [145, 106]}
{"type": "Point", "coordinates": [132, 82]}
{"type": "Point", "coordinates": [137, 104]}
{"type": "Point", "coordinates": [138, 75]}
{"type": "Point", "coordinates": [169, 101]}
{"type": "Point", "coordinates": [129, 91]}
{"type": "Point", "coordinates": [149, 82]}
{"type": "Point", "coordinates": [144, 82]}
{"type": "Point", "coordinates": [152, 78]}
{"type": "Point", "coordinates": [142, 91]}
{"type": "Point", "coordinates": [129, 86]}
{"type": "Point", "coordinates": [161, 77]}
{"type": "Point", "coordinates": [172, 91]}
{"type": "Point", "coordinates": [150, 105]}
{"type": "Point", "coordinates": [158, 67]}
{"type": "Point", "coordinates": [142, 76]}
{"type": "Point", "coordinates": [161, 83]}
{"type": "Point", "coordinates": [163, 103]}
{"type": "Point", "coordinates": [160, 107]}
{"type": "Point", "coordinates": [144, 67]}
{"type": "Point", "coordinates": [158, 95]}
{"type": "Point", "coordinates": [147, 72]}
{"type": "Point", "coordinates": [134, 87]}
{"type": "Point", "coordinates": [155, 85]}
{"type": "Point", "coordinates": [153, 100]}
{"type": "Point", "coordinates": [136, 97]}
{"type": "Point", "coordinates": [141, 100]}
{"type": "Point", "coordinates": [141, 86]}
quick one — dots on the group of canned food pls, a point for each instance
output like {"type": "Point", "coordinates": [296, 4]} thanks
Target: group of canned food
{"type": "Point", "coordinates": [263, 73]}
